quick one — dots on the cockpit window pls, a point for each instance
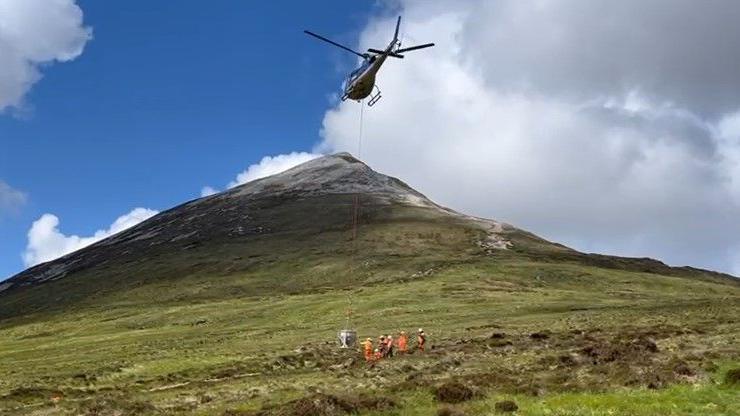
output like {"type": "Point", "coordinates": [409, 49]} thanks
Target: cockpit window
{"type": "Point", "coordinates": [354, 74]}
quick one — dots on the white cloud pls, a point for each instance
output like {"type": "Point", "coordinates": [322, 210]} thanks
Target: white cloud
{"type": "Point", "coordinates": [269, 165]}
{"type": "Point", "coordinates": [10, 199]}
{"type": "Point", "coordinates": [681, 51]}
{"type": "Point", "coordinates": [46, 242]}
{"type": "Point", "coordinates": [34, 33]}
{"type": "Point", "coordinates": [207, 191]}
{"type": "Point", "coordinates": [729, 147]}
{"type": "Point", "coordinates": [595, 129]}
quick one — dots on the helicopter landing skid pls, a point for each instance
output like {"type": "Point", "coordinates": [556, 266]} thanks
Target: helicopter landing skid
{"type": "Point", "coordinates": [375, 97]}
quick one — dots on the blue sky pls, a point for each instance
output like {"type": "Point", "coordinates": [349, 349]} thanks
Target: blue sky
{"type": "Point", "coordinates": [602, 125]}
{"type": "Point", "coordinates": [164, 100]}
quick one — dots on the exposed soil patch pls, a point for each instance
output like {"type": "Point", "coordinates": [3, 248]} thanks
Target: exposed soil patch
{"type": "Point", "coordinates": [109, 406]}
{"type": "Point", "coordinates": [601, 352]}
{"type": "Point", "coordinates": [449, 411]}
{"type": "Point", "coordinates": [578, 360]}
{"type": "Point", "coordinates": [453, 392]}
{"type": "Point", "coordinates": [506, 406]}
{"type": "Point", "coordinates": [318, 405]}
{"type": "Point", "coordinates": [375, 402]}
{"type": "Point", "coordinates": [540, 335]}
{"type": "Point", "coordinates": [324, 356]}
{"type": "Point", "coordinates": [23, 394]}
{"type": "Point", "coordinates": [329, 405]}
{"type": "Point", "coordinates": [733, 377]}
{"type": "Point", "coordinates": [682, 368]}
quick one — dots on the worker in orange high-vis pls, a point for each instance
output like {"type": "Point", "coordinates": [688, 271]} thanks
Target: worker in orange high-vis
{"type": "Point", "coordinates": [403, 341]}
{"type": "Point", "coordinates": [421, 340]}
{"type": "Point", "coordinates": [382, 345]}
{"type": "Point", "coordinates": [378, 355]}
{"type": "Point", "coordinates": [368, 346]}
{"type": "Point", "coordinates": [389, 346]}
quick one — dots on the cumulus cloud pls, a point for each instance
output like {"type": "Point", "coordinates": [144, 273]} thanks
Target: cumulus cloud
{"type": "Point", "coordinates": [207, 191]}
{"type": "Point", "coordinates": [269, 165]}
{"type": "Point", "coordinates": [608, 126]}
{"type": "Point", "coordinates": [678, 51]}
{"type": "Point", "coordinates": [34, 33]}
{"type": "Point", "coordinates": [46, 242]}
{"type": "Point", "coordinates": [10, 199]}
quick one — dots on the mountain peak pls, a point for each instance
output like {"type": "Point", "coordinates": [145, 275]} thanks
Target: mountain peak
{"type": "Point", "coordinates": [346, 156]}
{"type": "Point", "coordinates": [322, 187]}
{"type": "Point", "coordinates": [339, 173]}
{"type": "Point", "coordinates": [342, 161]}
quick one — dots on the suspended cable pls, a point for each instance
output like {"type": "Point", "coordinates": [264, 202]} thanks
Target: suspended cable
{"type": "Point", "coordinates": [359, 139]}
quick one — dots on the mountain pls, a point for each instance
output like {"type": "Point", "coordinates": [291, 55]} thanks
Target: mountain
{"type": "Point", "coordinates": [230, 305]}
{"type": "Point", "coordinates": [297, 226]}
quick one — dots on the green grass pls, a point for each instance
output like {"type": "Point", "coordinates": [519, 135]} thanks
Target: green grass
{"type": "Point", "coordinates": [673, 401]}
{"type": "Point", "coordinates": [180, 334]}
{"type": "Point", "coordinates": [136, 346]}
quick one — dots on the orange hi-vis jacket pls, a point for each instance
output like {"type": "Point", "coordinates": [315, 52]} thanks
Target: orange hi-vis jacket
{"type": "Point", "coordinates": [368, 350]}
{"type": "Point", "coordinates": [402, 342]}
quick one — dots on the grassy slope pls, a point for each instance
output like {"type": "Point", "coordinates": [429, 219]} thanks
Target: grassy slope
{"type": "Point", "coordinates": [218, 339]}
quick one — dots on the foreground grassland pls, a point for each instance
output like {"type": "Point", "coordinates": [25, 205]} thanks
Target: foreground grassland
{"type": "Point", "coordinates": [554, 338]}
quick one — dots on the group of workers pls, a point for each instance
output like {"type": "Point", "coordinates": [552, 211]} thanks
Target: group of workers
{"type": "Point", "coordinates": [386, 346]}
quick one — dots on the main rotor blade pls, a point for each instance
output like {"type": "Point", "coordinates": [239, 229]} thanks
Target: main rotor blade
{"type": "Point", "coordinates": [379, 52]}
{"type": "Point", "coordinates": [413, 48]}
{"type": "Point", "coordinates": [334, 43]}
{"type": "Point", "coordinates": [398, 24]}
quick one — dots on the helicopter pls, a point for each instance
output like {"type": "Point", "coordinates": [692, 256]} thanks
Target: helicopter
{"type": "Point", "coordinates": [360, 83]}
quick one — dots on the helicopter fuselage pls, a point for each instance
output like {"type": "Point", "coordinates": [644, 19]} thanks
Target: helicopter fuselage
{"type": "Point", "coordinates": [361, 82]}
